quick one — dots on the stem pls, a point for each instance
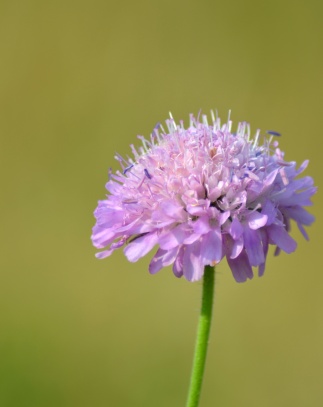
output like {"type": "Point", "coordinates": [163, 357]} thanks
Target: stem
{"type": "Point", "coordinates": [203, 331]}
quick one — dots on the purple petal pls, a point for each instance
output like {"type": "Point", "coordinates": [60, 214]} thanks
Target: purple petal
{"type": "Point", "coordinates": [140, 246]}
{"type": "Point", "coordinates": [302, 167]}
{"type": "Point", "coordinates": [299, 198]}
{"type": "Point", "coordinates": [240, 267]}
{"type": "Point", "coordinates": [236, 229]}
{"type": "Point", "coordinates": [265, 242]}
{"type": "Point", "coordinates": [191, 238]}
{"type": "Point", "coordinates": [270, 178]}
{"type": "Point", "coordinates": [291, 189]}
{"type": "Point", "coordinates": [253, 246]}
{"type": "Point", "coordinates": [261, 269]}
{"type": "Point", "coordinates": [277, 251]}
{"type": "Point", "coordinates": [104, 254]}
{"type": "Point", "coordinates": [224, 217]}
{"type": "Point", "coordinates": [198, 209]}
{"type": "Point", "coordinates": [178, 263]}
{"type": "Point", "coordinates": [162, 259]}
{"type": "Point", "coordinates": [300, 215]}
{"type": "Point", "coordinates": [260, 188]}
{"type": "Point", "coordinates": [303, 231]}
{"type": "Point", "coordinates": [270, 211]}
{"type": "Point", "coordinates": [236, 248]}
{"type": "Point", "coordinates": [202, 225]}
{"type": "Point", "coordinates": [113, 187]}
{"type": "Point", "coordinates": [129, 226]}
{"type": "Point", "coordinates": [172, 209]}
{"type": "Point", "coordinates": [108, 218]}
{"type": "Point", "coordinates": [102, 237]}
{"type": "Point", "coordinates": [211, 247]}
{"type": "Point", "coordinates": [193, 267]}
{"type": "Point", "coordinates": [174, 237]}
{"type": "Point", "coordinates": [281, 238]}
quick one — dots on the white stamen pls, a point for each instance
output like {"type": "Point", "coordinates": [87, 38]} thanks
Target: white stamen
{"type": "Point", "coordinates": [256, 139]}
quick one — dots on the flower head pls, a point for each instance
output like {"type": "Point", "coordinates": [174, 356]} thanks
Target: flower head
{"type": "Point", "coordinates": [200, 194]}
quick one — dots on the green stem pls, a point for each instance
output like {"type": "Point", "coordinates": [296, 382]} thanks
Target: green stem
{"type": "Point", "coordinates": [203, 331]}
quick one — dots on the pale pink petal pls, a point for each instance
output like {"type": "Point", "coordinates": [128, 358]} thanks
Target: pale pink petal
{"type": "Point", "coordinates": [162, 259]}
{"type": "Point", "coordinates": [140, 246]}
{"type": "Point", "coordinates": [236, 248]}
{"type": "Point", "coordinates": [193, 266]}
{"type": "Point", "coordinates": [174, 237]}
{"type": "Point", "coordinates": [178, 263]}
{"type": "Point", "coordinates": [257, 220]}
{"type": "Point", "coordinates": [211, 247]}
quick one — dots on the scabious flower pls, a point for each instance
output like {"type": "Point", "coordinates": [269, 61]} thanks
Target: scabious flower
{"type": "Point", "coordinates": [200, 194]}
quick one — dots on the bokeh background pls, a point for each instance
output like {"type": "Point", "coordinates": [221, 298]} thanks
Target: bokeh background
{"type": "Point", "coordinates": [78, 82]}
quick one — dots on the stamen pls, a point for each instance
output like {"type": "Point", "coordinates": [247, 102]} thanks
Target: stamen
{"type": "Point", "coordinates": [213, 117]}
{"type": "Point", "coordinates": [256, 138]}
{"type": "Point", "coordinates": [147, 174]}
{"type": "Point", "coordinates": [127, 169]}
{"type": "Point", "coordinates": [145, 143]}
{"type": "Point", "coordinates": [156, 132]}
{"type": "Point", "coordinates": [119, 158]}
{"type": "Point", "coordinates": [273, 133]}
{"type": "Point", "coordinates": [109, 174]}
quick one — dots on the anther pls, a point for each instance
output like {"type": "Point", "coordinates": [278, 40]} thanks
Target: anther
{"type": "Point", "coordinates": [273, 133]}
{"type": "Point", "coordinates": [127, 169]}
{"type": "Point", "coordinates": [147, 173]}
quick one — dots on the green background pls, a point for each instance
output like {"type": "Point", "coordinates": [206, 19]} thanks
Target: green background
{"type": "Point", "coordinates": [78, 82]}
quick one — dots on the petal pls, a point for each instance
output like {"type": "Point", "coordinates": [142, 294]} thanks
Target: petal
{"type": "Point", "coordinates": [102, 237]}
{"type": "Point", "coordinates": [193, 267]}
{"type": "Point", "coordinates": [162, 259]}
{"type": "Point", "coordinates": [257, 220]}
{"type": "Point", "coordinates": [178, 263]}
{"type": "Point", "coordinates": [202, 225]}
{"type": "Point", "coordinates": [236, 229]}
{"type": "Point", "coordinates": [172, 209]}
{"type": "Point", "coordinates": [269, 210]}
{"type": "Point", "coordinates": [174, 237]}
{"type": "Point", "coordinates": [240, 267]}
{"type": "Point", "coordinates": [105, 253]}
{"type": "Point", "coordinates": [253, 246]}
{"type": "Point", "coordinates": [277, 251]}
{"type": "Point", "coordinates": [195, 210]}
{"type": "Point", "coordinates": [191, 238]}
{"type": "Point", "coordinates": [299, 198]}
{"type": "Point", "coordinates": [237, 248]}
{"type": "Point", "coordinates": [224, 217]}
{"type": "Point", "coordinates": [269, 180]}
{"type": "Point", "coordinates": [300, 215]}
{"type": "Point", "coordinates": [265, 242]}
{"type": "Point", "coordinates": [211, 247]}
{"type": "Point", "coordinates": [108, 218]}
{"type": "Point", "coordinates": [281, 238]}
{"type": "Point", "coordinates": [167, 213]}
{"type": "Point", "coordinates": [261, 269]}
{"type": "Point", "coordinates": [302, 167]}
{"type": "Point", "coordinates": [260, 188]}
{"type": "Point", "coordinates": [303, 231]}
{"type": "Point", "coordinates": [140, 246]}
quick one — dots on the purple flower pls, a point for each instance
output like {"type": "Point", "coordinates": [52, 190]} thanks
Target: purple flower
{"type": "Point", "coordinates": [200, 194]}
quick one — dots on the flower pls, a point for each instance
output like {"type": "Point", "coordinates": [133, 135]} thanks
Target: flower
{"type": "Point", "coordinates": [200, 194]}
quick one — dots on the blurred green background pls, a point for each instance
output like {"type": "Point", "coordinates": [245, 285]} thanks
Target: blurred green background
{"type": "Point", "coordinates": [78, 82]}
